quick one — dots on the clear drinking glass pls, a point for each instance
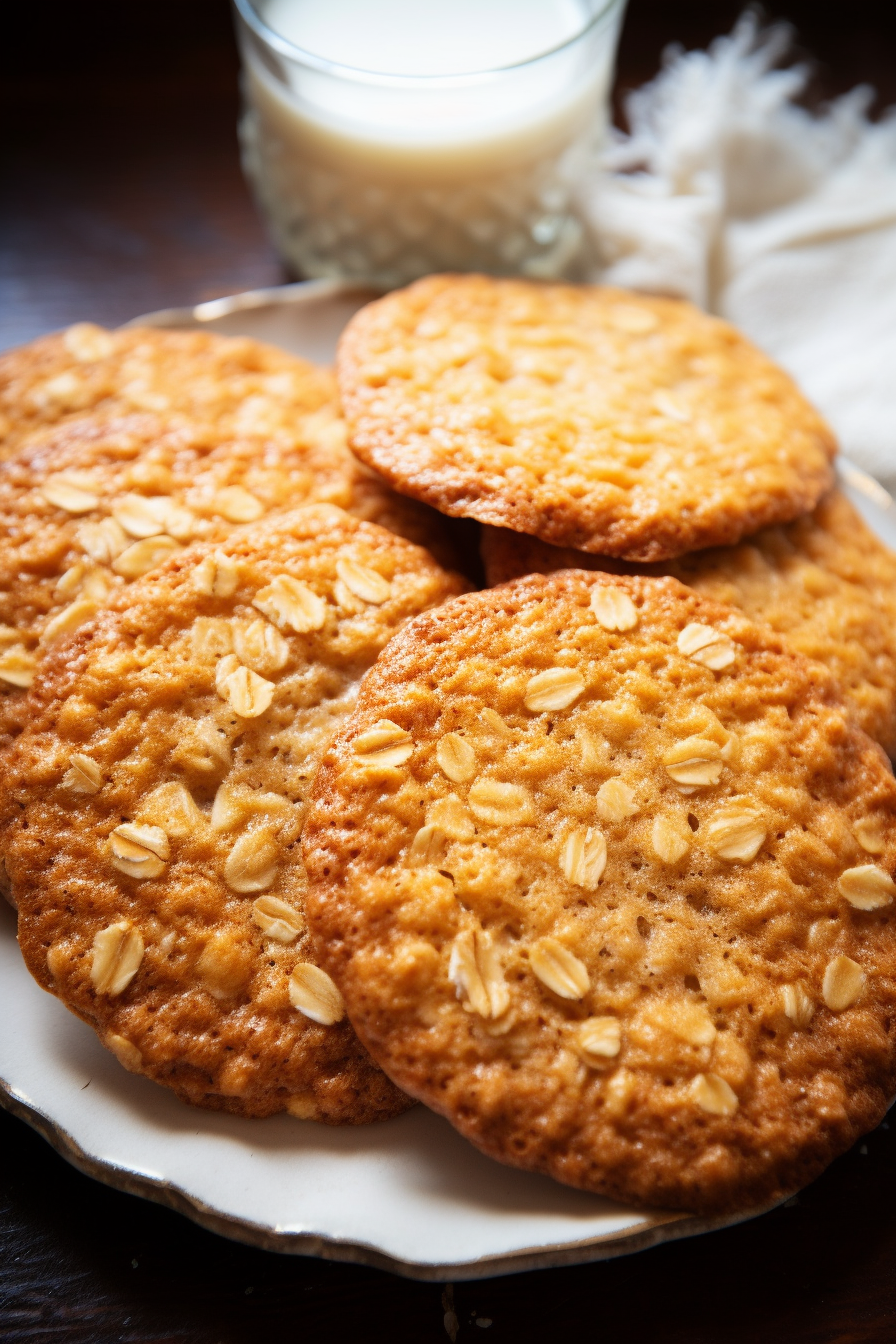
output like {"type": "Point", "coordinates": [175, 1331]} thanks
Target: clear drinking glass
{"type": "Point", "coordinates": [382, 178]}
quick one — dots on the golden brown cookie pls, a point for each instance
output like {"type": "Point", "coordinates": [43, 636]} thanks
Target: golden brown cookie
{"type": "Point", "coordinates": [590, 417]}
{"type": "Point", "coordinates": [234, 388]}
{"type": "Point", "coordinates": [824, 581]}
{"type": "Point", "coordinates": [510, 555]}
{"type": "Point", "coordinates": [603, 872]}
{"type": "Point", "coordinates": [235, 384]}
{"type": "Point", "coordinates": [91, 504]}
{"type": "Point", "coordinates": [153, 805]}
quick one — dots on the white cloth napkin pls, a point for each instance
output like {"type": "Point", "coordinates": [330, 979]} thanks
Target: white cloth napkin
{"type": "Point", "coordinates": [783, 221]}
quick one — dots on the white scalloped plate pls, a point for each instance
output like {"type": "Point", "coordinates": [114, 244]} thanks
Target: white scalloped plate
{"type": "Point", "coordinates": [409, 1195]}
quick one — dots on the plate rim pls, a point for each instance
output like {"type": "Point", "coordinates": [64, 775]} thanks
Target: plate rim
{"type": "Point", "coordinates": [660, 1227]}
{"type": "Point", "coordinates": [296, 293]}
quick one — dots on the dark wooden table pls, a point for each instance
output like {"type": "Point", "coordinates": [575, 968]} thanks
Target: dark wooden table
{"type": "Point", "coordinates": [122, 193]}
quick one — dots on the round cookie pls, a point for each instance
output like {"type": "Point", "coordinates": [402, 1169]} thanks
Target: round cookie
{"type": "Point", "coordinates": [590, 417]}
{"type": "Point", "coordinates": [603, 872]}
{"type": "Point", "coordinates": [153, 805]}
{"type": "Point", "coordinates": [825, 582]}
{"type": "Point", "coordinates": [238, 385]}
{"type": "Point", "coordinates": [91, 504]}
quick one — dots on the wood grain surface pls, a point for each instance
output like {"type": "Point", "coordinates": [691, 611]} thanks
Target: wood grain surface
{"type": "Point", "coordinates": [122, 193]}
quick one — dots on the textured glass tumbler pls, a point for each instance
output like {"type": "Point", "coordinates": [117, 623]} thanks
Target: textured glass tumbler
{"type": "Point", "coordinates": [384, 178]}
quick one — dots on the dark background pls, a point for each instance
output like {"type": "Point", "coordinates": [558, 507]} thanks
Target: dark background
{"type": "Point", "coordinates": [122, 193]}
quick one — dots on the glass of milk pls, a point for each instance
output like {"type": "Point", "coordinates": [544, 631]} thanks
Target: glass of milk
{"type": "Point", "coordinates": [386, 139]}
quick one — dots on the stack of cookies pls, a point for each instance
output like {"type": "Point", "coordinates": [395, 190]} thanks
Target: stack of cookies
{"type": "Point", "coordinates": [596, 861]}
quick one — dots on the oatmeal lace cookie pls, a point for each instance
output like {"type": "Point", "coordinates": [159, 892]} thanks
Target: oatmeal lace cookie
{"type": "Point", "coordinates": [153, 805]}
{"type": "Point", "coordinates": [825, 582]}
{"type": "Point", "coordinates": [590, 417]}
{"type": "Point", "coordinates": [91, 504]}
{"type": "Point", "coordinates": [237, 385]}
{"type": "Point", "coordinates": [604, 874]}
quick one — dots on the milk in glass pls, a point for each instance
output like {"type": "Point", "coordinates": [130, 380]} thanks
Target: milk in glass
{"type": "Point", "coordinates": [386, 139]}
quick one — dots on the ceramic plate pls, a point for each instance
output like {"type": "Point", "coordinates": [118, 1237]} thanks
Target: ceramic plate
{"type": "Point", "coordinates": [408, 1195]}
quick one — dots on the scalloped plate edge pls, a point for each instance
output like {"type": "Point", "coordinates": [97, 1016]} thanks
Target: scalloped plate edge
{"type": "Point", "coordinates": [661, 1228]}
